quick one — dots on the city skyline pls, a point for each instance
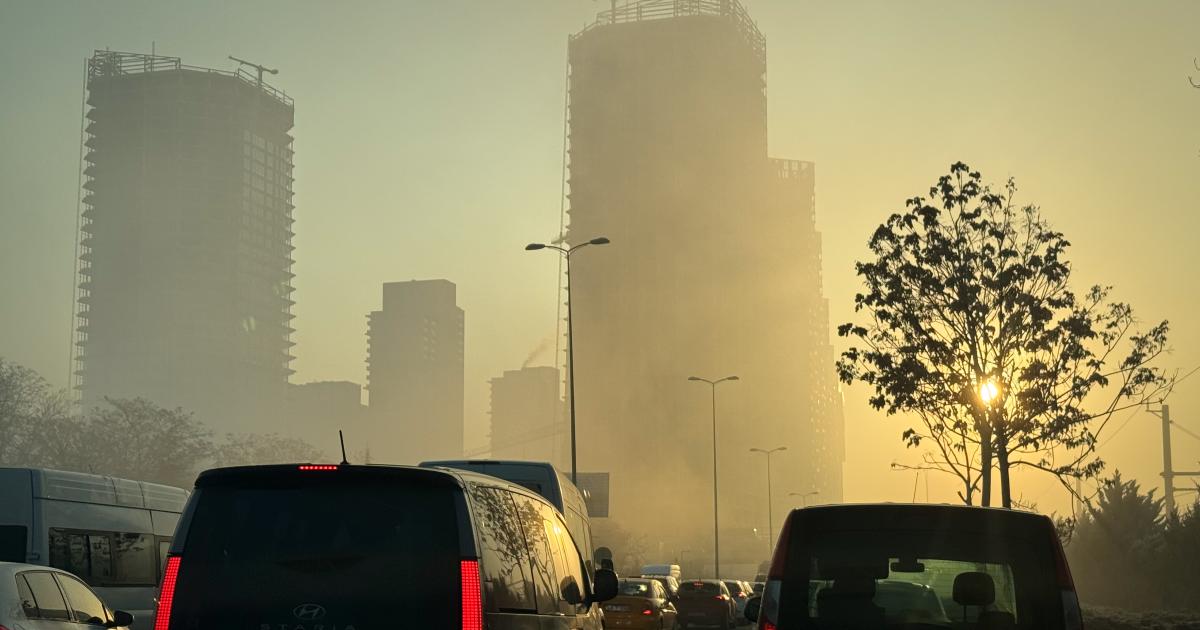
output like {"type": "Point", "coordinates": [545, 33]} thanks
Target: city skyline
{"type": "Point", "coordinates": [862, 121]}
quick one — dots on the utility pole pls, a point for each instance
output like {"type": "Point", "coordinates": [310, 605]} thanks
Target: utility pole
{"type": "Point", "coordinates": [1168, 475]}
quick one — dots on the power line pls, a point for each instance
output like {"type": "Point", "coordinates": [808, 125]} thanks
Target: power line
{"type": "Point", "coordinates": [1185, 430]}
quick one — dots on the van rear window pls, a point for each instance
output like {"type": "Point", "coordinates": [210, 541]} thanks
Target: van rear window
{"type": "Point", "coordinates": [321, 553]}
{"type": "Point", "coordinates": [881, 577]}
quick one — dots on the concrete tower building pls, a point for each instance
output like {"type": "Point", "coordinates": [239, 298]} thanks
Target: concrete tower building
{"type": "Point", "coordinates": [527, 417]}
{"type": "Point", "coordinates": [415, 372]}
{"type": "Point", "coordinates": [715, 269]}
{"type": "Point", "coordinates": [185, 255]}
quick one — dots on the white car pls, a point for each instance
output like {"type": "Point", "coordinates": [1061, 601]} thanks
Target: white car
{"type": "Point", "coordinates": [34, 597]}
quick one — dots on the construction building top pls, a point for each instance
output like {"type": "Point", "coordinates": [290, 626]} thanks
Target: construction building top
{"type": "Point", "coordinates": [111, 63]}
{"type": "Point", "coordinates": [646, 10]}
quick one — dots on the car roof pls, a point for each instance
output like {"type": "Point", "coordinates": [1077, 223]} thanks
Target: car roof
{"type": "Point", "coordinates": [9, 569]}
{"type": "Point", "coordinates": [914, 515]}
{"type": "Point", "coordinates": [453, 476]}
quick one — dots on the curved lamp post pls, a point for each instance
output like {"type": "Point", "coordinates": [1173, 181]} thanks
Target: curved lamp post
{"type": "Point", "coordinates": [770, 510]}
{"type": "Point", "coordinates": [566, 253]}
{"type": "Point", "coordinates": [716, 535]}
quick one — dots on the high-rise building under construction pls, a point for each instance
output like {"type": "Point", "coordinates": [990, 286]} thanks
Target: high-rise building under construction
{"type": "Point", "coordinates": [185, 255]}
{"type": "Point", "coordinates": [714, 269]}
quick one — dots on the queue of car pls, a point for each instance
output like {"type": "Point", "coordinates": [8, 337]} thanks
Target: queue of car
{"type": "Point", "coordinates": [344, 547]}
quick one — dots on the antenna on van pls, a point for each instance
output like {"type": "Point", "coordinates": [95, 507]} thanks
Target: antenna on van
{"type": "Point", "coordinates": [342, 440]}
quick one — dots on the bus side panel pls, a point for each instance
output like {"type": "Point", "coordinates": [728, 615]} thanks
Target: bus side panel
{"type": "Point", "coordinates": [16, 495]}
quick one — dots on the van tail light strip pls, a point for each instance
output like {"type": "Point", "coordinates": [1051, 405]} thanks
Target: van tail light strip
{"type": "Point", "coordinates": [166, 595]}
{"type": "Point", "coordinates": [472, 599]}
{"type": "Point", "coordinates": [310, 467]}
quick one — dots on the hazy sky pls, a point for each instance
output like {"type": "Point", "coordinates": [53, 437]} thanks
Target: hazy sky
{"type": "Point", "coordinates": [429, 138]}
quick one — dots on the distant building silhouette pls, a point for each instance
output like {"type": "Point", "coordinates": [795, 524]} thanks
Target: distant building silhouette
{"type": "Point", "coordinates": [415, 372]}
{"type": "Point", "coordinates": [185, 255]}
{"type": "Point", "coordinates": [528, 419]}
{"type": "Point", "coordinates": [715, 269]}
{"type": "Point", "coordinates": [316, 411]}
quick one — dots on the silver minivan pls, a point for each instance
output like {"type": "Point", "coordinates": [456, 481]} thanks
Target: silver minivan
{"type": "Point", "coordinates": [322, 546]}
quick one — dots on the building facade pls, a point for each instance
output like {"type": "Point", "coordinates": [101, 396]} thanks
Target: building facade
{"type": "Point", "coordinates": [714, 269]}
{"type": "Point", "coordinates": [415, 372]}
{"type": "Point", "coordinates": [316, 411]}
{"type": "Point", "coordinates": [528, 419]}
{"type": "Point", "coordinates": [185, 257]}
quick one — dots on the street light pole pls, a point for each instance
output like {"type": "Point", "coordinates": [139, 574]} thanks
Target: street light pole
{"type": "Point", "coordinates": [770, 507]}
{"type": "Point", "coordinates": [716, 532]}
{"type": "Point", "coordinates": [804, 496]}
{"type": "Point", "coordinates": [566, 253]}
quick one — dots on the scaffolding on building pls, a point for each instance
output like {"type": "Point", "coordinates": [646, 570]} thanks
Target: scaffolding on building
{"type": "Point", "coordinates": [647, 10]}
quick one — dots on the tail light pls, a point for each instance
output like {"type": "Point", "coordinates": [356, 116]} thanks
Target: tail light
{"type": "Point", "coordinates": [723, 597]}
{"type": "Point", "coordinates": [472, 599]}
{"type": "Point", "coordinates": [166, 594]}
{"type": "Point", "coordinates": [1072, 615]}
{"type": "Point", "coordinates": [648, 612]}
{"type": "Point", "coordinates": [314, 467]}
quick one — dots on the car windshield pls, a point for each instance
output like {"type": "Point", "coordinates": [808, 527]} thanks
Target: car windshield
{"type": "Point", "coordinates": [880, 577]}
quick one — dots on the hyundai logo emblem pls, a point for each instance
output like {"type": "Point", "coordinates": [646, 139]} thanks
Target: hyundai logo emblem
{"type": "Point", "coordinates": [308, 612]}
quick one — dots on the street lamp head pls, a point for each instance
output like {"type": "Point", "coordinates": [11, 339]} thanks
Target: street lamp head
{"type": "Point", "coordinates": [695, 378]}
{"type": "Point", "coordinates": [599, 240]}
{"type": "Point", "coordinates": [731, 378]}
{"type": "Point", "coordinates": [534, 247]}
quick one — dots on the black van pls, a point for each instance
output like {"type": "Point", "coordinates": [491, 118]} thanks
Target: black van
{"type": "Point", "coordinates": [340, 547]}
{"type": "Point", "coordinates": [916, 567]}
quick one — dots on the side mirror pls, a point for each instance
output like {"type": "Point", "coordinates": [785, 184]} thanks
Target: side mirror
{"type": "Point", "coordinates": [752, 607]}
{"type": "Point", "coordinates": [605, 585]}
{"type": "Point", "coordinates": [121, 619]}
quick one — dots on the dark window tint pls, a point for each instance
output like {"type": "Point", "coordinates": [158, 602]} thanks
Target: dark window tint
{"type": "Point", "coordinates": [689, 589]}
{"type": "Point", "coordinates": [85, 606]}
{"type": "Point", "coordinates": [541, 559]}
{"type": "Point", "coordinates": [12, 543]}
{"type": "Point", "coordinates": [371, 552]}
{"type": "Point", "coordinates": [505, 564]}
{"type": "Point", "coordinates": [134, 559]}
{"type": "Point", "coordinates": [46, 595]}
{"type": "Point", "coordinates": [86, 554]}
{"type": "Point", "coordinates": [28, 604]}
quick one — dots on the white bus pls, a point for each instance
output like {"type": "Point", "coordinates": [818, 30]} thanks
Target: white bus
{"type": "Point", "coordinates": [113, 533]}
{"type": "Point", "coordinates": [544, 479]}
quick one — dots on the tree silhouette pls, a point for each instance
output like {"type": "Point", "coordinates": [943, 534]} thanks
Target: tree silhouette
{"type": "Point", "coordinates": [1117, 544]}
{"type": "Point", "coordinates": [974, 328]}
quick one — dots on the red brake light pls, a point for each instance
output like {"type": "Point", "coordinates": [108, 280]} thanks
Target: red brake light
{"type": "Point", "coordinates": [723, 597]}
{"type": "Point", "coordinates": [317, 467]}
{"type": "Point", "coordinates": [648, 612]}
{"type": "Point", "coordinates": [166, 594]}
{"type": "Point", "coordinates": [472, 600]}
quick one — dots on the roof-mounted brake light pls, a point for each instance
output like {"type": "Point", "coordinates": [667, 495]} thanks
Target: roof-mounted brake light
{"type": "Point", "coordinates": [308, 467]}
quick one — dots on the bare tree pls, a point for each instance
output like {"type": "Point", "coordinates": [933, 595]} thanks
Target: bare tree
{"type": "Point", "coordinates": [974, 328]}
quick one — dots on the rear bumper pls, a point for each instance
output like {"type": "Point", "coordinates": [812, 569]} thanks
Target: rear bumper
{"type": "Point", "coordinates": [632, 622]}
